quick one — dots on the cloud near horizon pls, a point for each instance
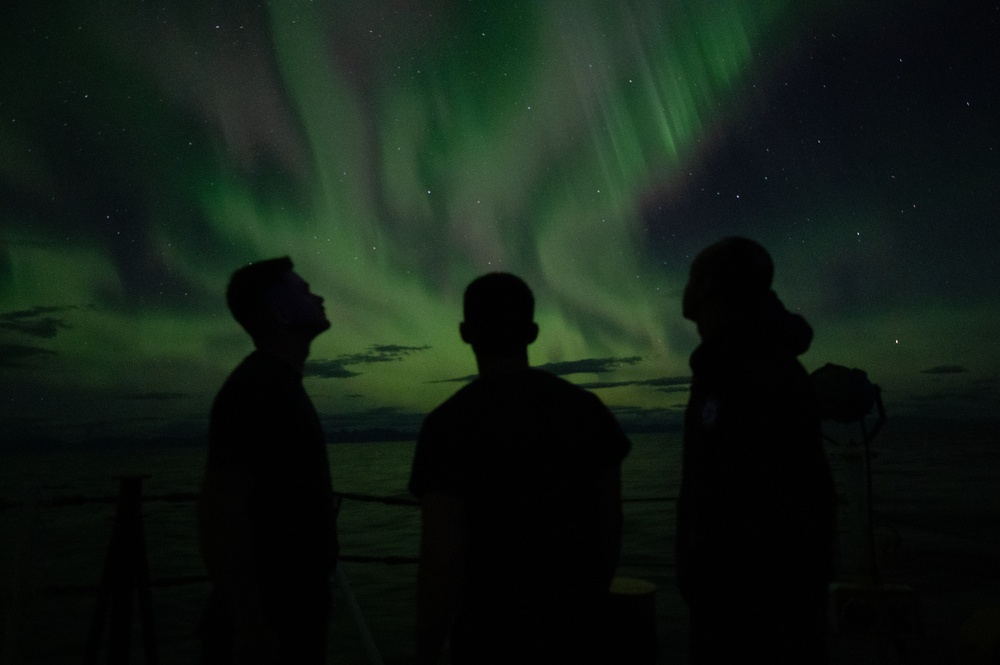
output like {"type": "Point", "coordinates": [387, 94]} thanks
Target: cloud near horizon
{"type": "Point", "coordinates": [588, 365]}
{"type": "Point", "coordinates": [666, 384]}
{"type": "Point", "coordinates": [337, 368]}
{"type": "Point", "coordinates": [568, 367]}
{"type": "Point", "coordinates": [11, 354]}
{"type": "Point", "coordinates": [35, 322]}
{"type": "Point", "coordinates": [155, 396]}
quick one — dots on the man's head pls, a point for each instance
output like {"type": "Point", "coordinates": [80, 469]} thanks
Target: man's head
{"type": "Point", "coordinates": [268, 298]}
{"type": "Point", "coordinates": [499, 315]}
{"type": "Point", "coordinates": [725, 277]}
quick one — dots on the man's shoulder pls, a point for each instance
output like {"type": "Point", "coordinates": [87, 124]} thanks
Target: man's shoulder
{"type": "Point", "coordinates": [462, 407]}
{"type": "Point", "coordinates": [529, 390]}
{"type": "Point", "coordinates": [260, 365]}
{"type": "Point", "coordinates": [468, 393]}
{"type": "Point", "coordinates": [546, 378]}
{"type": "Point", "coordinates": [557, 389]}
{"type": "Point", "coordinates": [259, 369]}
{"type": "Point", "coordinates": [531, 383]}
{"type": "Point", "coordinates": [256, 380]}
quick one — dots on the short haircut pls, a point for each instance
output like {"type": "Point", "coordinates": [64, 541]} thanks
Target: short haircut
{"type": "Point", "coordinates": [499, 313]}
{"type": "Point", "coordinates": [249, 293]}
{"type": "Point", "coordinates": [498, 298]}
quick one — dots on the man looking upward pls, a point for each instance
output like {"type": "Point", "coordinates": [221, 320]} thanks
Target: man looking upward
{"type": "Point", "coordinates": [266, 512]}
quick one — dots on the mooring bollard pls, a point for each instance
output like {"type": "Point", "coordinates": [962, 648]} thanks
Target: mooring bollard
{"type": "Point", "coordinates": [632, 622]}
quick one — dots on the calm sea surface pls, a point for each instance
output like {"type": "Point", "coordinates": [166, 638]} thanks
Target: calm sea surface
{"type": "Point", "coordinates": [937, 499]}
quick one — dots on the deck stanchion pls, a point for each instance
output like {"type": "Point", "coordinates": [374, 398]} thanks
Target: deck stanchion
{"type": "Point", "coordinates": [21, 581]}
{"type": "Point", "coordinates": [125, 579]}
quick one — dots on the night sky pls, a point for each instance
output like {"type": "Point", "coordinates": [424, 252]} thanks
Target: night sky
{"type": "Point", "coordinates": [397, 149]}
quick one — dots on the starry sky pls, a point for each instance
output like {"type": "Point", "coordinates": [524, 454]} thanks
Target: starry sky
{"type": "Point", "coordinates": [396, 149]}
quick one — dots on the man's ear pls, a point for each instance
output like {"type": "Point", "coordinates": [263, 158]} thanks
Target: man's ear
{"type": "Point", "coordinates": [531, 334]}
{"type": "Point", "coordinates": [279, 311]}
{"type": "Point", "coordinates": [470, 333]}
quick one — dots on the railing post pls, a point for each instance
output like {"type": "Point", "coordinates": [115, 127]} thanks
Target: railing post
{"type": "Point", "coordinates": [125, 576]}
{"type": "Point", "coordinates": [21, 583]}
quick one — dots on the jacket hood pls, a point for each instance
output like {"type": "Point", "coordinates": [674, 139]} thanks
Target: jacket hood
{"type": "Point", "coordinates": [775, 325]}
{"type": "Point", "coordinates": [765, 324]}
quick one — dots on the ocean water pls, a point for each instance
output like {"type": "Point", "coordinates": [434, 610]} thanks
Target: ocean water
{"type": "Point", "coordinates": [937, 509]}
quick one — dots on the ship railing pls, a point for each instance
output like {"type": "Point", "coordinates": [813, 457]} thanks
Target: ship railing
{"type": "Point", "coordinates": [126, 576]}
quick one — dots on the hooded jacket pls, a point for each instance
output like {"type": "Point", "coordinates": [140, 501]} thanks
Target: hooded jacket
{"type": "Point", "coordinates": [757, 507]}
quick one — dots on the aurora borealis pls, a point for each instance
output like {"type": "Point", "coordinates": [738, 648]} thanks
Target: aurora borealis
{"type": "Point", "coordinates": [397, 149]}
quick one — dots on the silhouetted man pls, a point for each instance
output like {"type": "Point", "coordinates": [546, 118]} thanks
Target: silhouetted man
{"type": "Point", "coordinates": [519, 479]}
{"type": "Point", "coordinates": [756, 515]}
{"type": "Point", "coordinates": [266, 514]}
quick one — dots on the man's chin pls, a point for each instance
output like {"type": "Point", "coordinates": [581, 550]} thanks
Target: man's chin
{"type": "Point", "coordinates": [314, 328]}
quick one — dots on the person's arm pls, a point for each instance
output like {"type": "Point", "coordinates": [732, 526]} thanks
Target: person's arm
{"type": "Point", "coordinates": [441, 574]}
{"type": "Point", "coordinates": [609, 519]}
{"type": "Point", "coordinates": [614, 446]}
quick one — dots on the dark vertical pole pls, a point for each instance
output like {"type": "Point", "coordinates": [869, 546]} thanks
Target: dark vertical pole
{"type": "Point", "coordinates": [145, 595]}
{"type": "Point", "coordinates": [123, 580]}
{"type": "Point", "coordinates": [104, 591]}
{"type": "Point", "coordinates": [126, 572]}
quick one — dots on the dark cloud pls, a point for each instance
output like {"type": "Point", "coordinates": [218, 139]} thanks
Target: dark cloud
{"type": "Point", "coordinates": [598, 366]}
{"type": "Point", "coordinates": [377, 353]}
{"type": "Point", "coordinates": [458, 379]}
{"type": "Point", "coordinates": [978, 395]}
{"type": "Point", "coordinates": [11, 355]}
{"type": "Point", "coordinates": [155, 396]}
{"type": "Point", "coordinates": [380, 353]}
{"type": "Point", "coordinates": [944, 369]}
{"type": "Point", "coordinates": [367, 416]}
{"type": "Point", "coordinates": [588, 365]}
{"type": "Point", "coordinates": [328, 369]}
{"type": "Point", "coordinates": [666, 384]}
{"type": "Point", "coordinates": [396, 350]}
{"type": "Point", "coordinates": [35, 321]}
